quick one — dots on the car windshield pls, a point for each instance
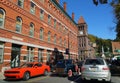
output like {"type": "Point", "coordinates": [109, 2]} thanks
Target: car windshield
{"type": "Point", "coordinates": [94, 61]}
{"type": "Point", "coordinates": [27, 65]}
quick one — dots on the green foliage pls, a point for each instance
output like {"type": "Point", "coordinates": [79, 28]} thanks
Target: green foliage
{"type": "Point", "coordinates": [106, 43]}
{"type": "Point", "coordinates": [116, 9]}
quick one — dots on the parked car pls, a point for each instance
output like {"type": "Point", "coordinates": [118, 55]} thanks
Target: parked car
{"type": "Point", "coordinates": [63, 66]}
{"type": "Point", "coordinates": [27, 70]}
{"type": "Point", "coordinates": [115, 67]}
{"type": "Point", "coordinates": [96, 69]}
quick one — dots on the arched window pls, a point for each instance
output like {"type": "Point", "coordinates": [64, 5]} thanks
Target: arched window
{"type": "Point", "coordinates": [49, 36]}
{"type": "Point", "coordinates": [31, 33]}
{"type": "Point", "coordinates": [41, 33]}
{"type": "Point", "coordinates": [49, 19]}
{"type": "Point", "coordinates": [41, 14]}
{"type": "Point", "coordinates": [21, 3]}
{"type": "Point", "coordinates": [55, 23]}
{"type": "Point", "coordinates": [32, 8]}
{"type": "Point", "coordinates": [18, 24]}
{"type": "Point", "coordinates": [2, 18]}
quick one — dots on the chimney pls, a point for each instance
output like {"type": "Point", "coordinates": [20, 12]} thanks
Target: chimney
{"type": "Point", "coordinates": [73, 15]}
{"type": "Point", "coordinates": [64, 6]}
{"type": "Point", "coordinates": [57, 1]}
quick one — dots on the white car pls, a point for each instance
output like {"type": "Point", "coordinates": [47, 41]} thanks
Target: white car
{"type": "Point", "coordinates": [95, 69]}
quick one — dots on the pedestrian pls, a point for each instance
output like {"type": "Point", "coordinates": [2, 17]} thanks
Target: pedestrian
{"type": "Point", "coordinates": [52, 64]}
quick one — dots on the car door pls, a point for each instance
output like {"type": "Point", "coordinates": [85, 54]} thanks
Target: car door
{"type": "Point", "coordinates": [38, 69]}
{"type": "Point", "coordinates": [41, 68]}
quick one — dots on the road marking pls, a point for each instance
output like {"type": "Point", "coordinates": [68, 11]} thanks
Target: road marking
{"type": "Point", "coordinates": [37, 79]}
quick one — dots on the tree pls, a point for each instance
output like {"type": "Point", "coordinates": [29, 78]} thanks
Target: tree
{"type": "Point", "coordinates": [101, 2]}
{"type": "Point", "coordinates": [116, 8]}
{"type": "Point", "coordinates": [106, 43]}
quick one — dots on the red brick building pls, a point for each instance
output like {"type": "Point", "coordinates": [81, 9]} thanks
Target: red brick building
{"type": "Point", "coordinates": [31, 29]}
{"type": "Point", "coordinates": [115, 48]}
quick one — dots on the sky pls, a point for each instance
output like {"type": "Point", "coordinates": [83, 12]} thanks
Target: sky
{"type": "Point", "coordinates": [100, 19]}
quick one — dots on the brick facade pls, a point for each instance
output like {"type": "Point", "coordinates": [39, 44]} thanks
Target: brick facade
{"type": "Point", "coordinates": [20, 46]}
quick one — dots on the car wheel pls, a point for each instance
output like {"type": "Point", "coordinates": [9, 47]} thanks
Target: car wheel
{"type": "Point", "coordinates": [26, 76]}
{"type": "Point", "coordinates": [45, 73]}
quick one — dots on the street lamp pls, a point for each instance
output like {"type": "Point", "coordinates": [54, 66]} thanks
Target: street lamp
{"type": "Point", "coordinates": [67, 50]}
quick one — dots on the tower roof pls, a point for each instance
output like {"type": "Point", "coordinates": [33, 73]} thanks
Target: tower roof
{"type": "Point", "coordinates": [81, 20]}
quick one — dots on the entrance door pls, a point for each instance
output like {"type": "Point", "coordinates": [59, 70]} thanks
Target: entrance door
{"type": "Point", "coordinates": [15, 56]}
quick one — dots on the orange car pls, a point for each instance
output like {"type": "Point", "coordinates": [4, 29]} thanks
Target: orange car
{"type": "Point", "coordinates": [27, 70]}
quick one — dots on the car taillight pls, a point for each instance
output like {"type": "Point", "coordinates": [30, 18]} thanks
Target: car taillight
{"type": "Point", "coordinates": [105, 68]}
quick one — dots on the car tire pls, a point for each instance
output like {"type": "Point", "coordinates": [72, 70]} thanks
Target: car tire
{"type": "Point", "coordinates": [45, 72]}
{"type": "Point", "coordinates": [26, 76]}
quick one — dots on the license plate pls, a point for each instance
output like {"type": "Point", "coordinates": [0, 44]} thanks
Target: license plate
{"type": "Point", "coordinates": [93, 69]}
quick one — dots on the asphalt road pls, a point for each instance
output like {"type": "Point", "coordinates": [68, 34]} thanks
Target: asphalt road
{"type": "Point", "coordinates": [58, 79]}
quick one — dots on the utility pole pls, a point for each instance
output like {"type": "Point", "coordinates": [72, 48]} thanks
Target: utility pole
{"type": "Point", "coordinates": [67, 50]}
{"type": "Point", "coordinates": [68, 47]}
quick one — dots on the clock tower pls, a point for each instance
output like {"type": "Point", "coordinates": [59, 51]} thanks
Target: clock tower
{"type": "Point", "coordinates": [82, 39]}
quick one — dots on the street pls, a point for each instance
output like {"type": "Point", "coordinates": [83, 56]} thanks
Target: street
{"type": "Point", "coordinates": [58, 79]}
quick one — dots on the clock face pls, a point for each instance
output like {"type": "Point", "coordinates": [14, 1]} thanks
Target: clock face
{"type": "Point", "coordinates": [81, 32]}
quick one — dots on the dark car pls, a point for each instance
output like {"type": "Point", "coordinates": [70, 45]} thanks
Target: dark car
{"type": "Point", "coordinates": [115, 67]}
{"type": "Point", "coordinates": [63, 66]}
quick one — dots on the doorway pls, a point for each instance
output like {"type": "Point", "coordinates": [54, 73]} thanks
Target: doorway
{"type": "Point", "coordinates": [15, 55]}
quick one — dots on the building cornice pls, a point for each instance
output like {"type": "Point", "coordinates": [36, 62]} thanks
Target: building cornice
{"type": "Point", "coordinates": [57, 5]}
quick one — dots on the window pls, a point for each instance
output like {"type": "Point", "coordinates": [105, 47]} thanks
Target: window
{"type": "Point", "coordinates": [21, 3]}
{"type": "Point", "coordinates": [48, 56]}
{"type": "Point", "coordinates": [1, 51]}
{"type": "Point", "coordinates": [49, 19]}
{"type": "Point", "coordinates": [18, 24]}
{"type": "Point", "coordinates": [2, 18]}
{"type": "Point", "coordinates": [55, 23]}
{"type": "Point", "coordinates": [49, 36]}
{"type": "Point", "coordinates": [40, 54]}
{"type": "Point", "coordinates": [30, 54]}
{"type": "Point", "coordinates": [31, 33]}
{"type": "Point", "coordinates": [32, 9]}
{"type": "Point", "coordinates": [55, 39]}
{"type": "Point", "coordinates": [94, 61]}
{"type": "Point", "coordinates": [41, 14]}
{"type": "Point", "coordinates": [60, 41]}
{"type": "Point", "coordinates": [41, 33]}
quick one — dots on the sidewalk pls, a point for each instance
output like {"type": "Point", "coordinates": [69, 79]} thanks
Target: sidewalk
{"type": "Point", "coordinates": [1, 75]}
